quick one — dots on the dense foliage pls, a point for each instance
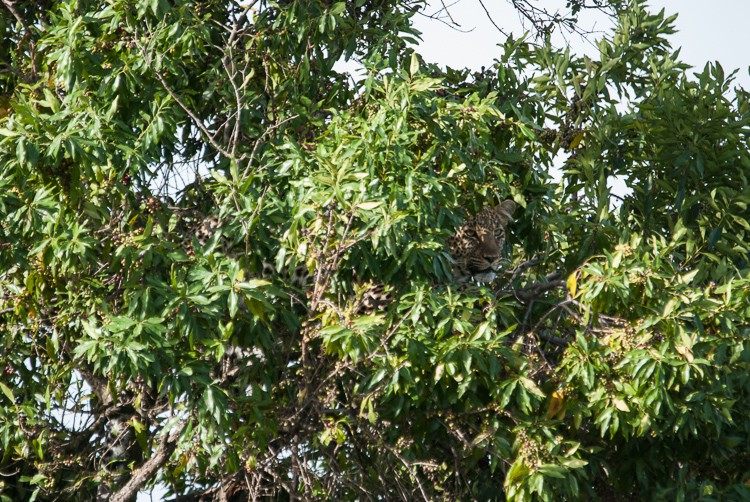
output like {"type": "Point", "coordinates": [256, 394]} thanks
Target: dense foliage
{"type": "Point", "coordinates": [608, 361]}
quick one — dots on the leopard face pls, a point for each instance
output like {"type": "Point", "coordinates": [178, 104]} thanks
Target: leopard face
{"type": "Point", "coordinates": [477, 245]}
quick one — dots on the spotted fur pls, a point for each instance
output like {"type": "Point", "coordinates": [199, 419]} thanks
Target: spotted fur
{"type": "Point", "coordinates": [206, 228]}
{"type": "Point", "coordinates": [477, 245]}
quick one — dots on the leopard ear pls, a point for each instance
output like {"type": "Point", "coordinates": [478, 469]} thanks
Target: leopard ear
{"type": "Point", "coordinates": [505, 210]}
{"type": "Point", "coordinates": [508, 206]}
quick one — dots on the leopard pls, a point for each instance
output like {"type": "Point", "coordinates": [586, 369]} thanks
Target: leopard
{"type": "Point", "coordinates": [476, 246]}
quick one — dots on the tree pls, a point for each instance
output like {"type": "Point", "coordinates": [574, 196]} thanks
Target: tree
{"type": "Point", "coordinates": [607, 361]}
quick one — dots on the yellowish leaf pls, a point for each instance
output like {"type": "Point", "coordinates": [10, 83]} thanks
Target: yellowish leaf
{"type": "Point", "coordinates": [8, 393]}
{"type": "Point", "coordinates": [685, 352]}
{"type": "Point", "coordinates": [369, 205]}
{"type": "Point", "coordinates": [576, 141]}
{"type": "Point", "coordinates": [572, 284]}
{"type": "Point", "coordinates": [620, 404]}
{"type": "Point", "coordinates": [556, 407]}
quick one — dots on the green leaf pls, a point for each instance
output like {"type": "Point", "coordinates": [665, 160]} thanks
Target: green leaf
{"type": "Point", "coordinates": [670, 307]}
{"type": "Point", "coordinates": [113, 108]}
{"type": "Point", "coordinates": [8, 393]}
{"type": "Point", "coordinates": [253, 284]}
{"type": "Point", "coordinates": [530, 386]}
{"type": "Point", "coordinates": [552, 470]}
{"type": "Point", "coordinates": [120, 323]}
{"type": "Point", "coordinates": [516, 474]}
{"type": "Point", "coordinates": [233, 304]}
{"type": "Point", "coordinates": [424, 84]}
{"type": "Point", "coordinates": [574, 463]}
{"type": "Point", "coordinates": [414, 65]}
{"type": "Point", "coordinates": [714, 236]}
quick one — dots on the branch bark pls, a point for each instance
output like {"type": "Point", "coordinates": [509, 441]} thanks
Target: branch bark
{"type": "Point", "coordinates": [9, 5]}
{"type": "Point", "coordinates": [146, 471]}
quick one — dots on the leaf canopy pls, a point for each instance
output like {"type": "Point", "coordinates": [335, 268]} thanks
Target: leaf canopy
{"type": "Point", "coordinates": [608, 360]}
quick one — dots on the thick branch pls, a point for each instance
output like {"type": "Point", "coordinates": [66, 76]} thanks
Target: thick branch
{"type": "Point", "coordinates": [537, 289]}
{"type": "Point", "coordinates": [147, 470]}
{"type": "Point", "coordinates": [534, 290]}
{"type": "Point", "coordinates": [554, 340]}
{"type": "Point", "coordinates": [9, 5]}
{"type": "Point", "coordinates": [98, 384]}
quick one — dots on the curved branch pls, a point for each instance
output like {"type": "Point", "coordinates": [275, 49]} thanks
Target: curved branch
{"type": "Point", "coordinates": [9, 5]}
{"type": "Point", "coordinates": [191, 114]}
{"type": "Point", "coordinates": [146, 471]}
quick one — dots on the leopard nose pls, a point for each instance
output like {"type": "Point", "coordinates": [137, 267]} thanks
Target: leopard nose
{"type": "Point", "coordinates": [491, 258]}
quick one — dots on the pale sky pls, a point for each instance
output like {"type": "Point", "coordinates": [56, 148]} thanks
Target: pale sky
{"type": "Point", "coordinates": [707, 31]}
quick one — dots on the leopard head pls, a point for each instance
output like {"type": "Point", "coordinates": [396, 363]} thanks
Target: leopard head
{"type": "Point", "coordinates": [477, 245]}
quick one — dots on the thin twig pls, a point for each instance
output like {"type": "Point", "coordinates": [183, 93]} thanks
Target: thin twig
{"type": "Point", "coordinates": [7, 68]}
{"type": "Point", "coordinates": [492, 20]}
{"type": "Point", "coordinates": [260, 140]}
{"type": "Point", "coordinates": [231, 73]}
{"type": "Point", "coordinates": [445, 8]}
{"type": "Point", "coordinates": [408, 466]}
{"type": "Point", "coordinates": [191, 113]}
{"type": "Point", "coordinates": [436, 16]}
{"type": "Point", "coordinates": [546, 315]}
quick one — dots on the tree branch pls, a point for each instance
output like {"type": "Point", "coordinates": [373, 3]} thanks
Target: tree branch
{"type": "Point", "coordinates": [146, 471]}
{"type": "Point", "coordinates": [492, 20]}
{"type": "Point", "coordinates": [554, 340]}
{"type": "Point", "coordinates": [191, 114]}
{"type": "Point", "coordinates": [9, 5]}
